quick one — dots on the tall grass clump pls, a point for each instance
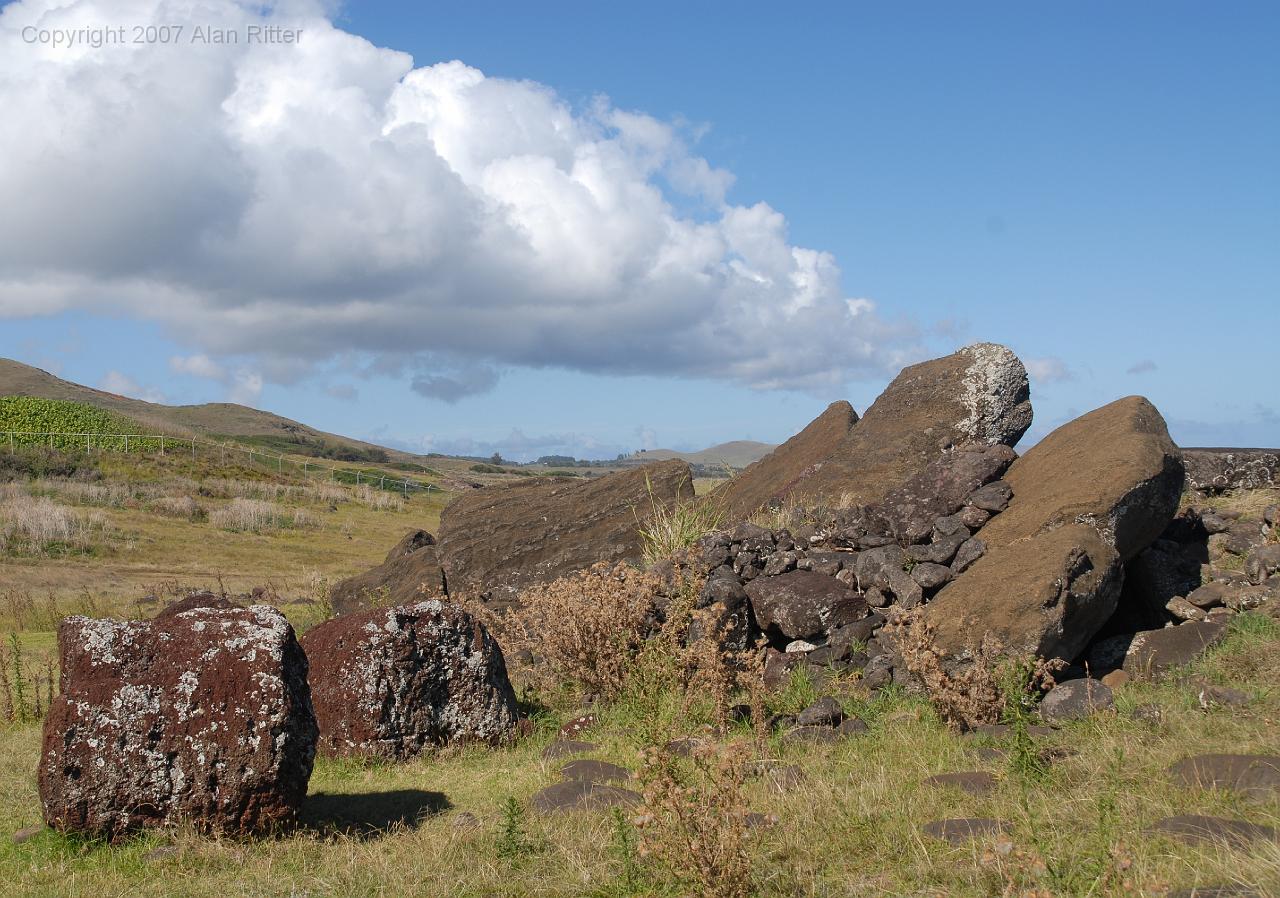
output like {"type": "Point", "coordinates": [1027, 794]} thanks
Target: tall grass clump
{"type": "Point", "coordinates": [31, 525]}
{"type": "Point", "coordinates": [259, 516]}
{"type": "Point", "coordinates": [667, 530]}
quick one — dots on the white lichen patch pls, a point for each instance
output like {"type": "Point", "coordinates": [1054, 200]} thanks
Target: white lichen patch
{"type": "Point", "coordinates": [994, 384]}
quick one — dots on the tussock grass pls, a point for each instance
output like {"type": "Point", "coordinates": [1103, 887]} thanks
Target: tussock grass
{"type": "Point", "coordinates": [667, 531]}
{"type": "Point", "coordinates": [39, 526]}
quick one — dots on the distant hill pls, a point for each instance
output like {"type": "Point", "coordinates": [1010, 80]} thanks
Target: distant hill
{"type": "Point", "coordinates": [735, 454]}
{"type": "Point", "coordinates": [212, 419]}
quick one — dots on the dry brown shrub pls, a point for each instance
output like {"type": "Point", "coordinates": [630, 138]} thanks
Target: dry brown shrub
{"type": "Point", "coordinates": [695, 822]}
{"type": "Point", "coordinates": [977, 694]}
{"type": "Point", "coordinates": [586, 629]}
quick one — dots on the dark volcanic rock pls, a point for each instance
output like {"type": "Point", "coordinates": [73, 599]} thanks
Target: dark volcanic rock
{"type": "Point", "coordinates": [977, 395]}
{"type": "Point", "coordinates": [803, 604]}
{"type": "Point", "coordinates": [1076, 699]}
{"type": "Point", "coordinates": [410, 574]}
{"type": "Point", "coordinates": [1254, 775]}
{"type": "Point", "coordinates": [975, 782]}
{"type": "Point", "coordinates": [909, 511]}
{"type": "Point", "coordinates": [581, 795]}
{"type": "Point", "coordinates": [959, 830]}
{"type": "Point", "coordinates": [1200, 828]}
{"type": "Point", "coordinates": [1087, 498]}
{"type": "Point", "coordinates": [564, 748]}
{"type": "Point", "coordinates": [1217, 470]}
{"type": "Point", "coordinates": [496, 541]}
{"type": "Point", "coordinates": [201, 716]}
{"type": "Point", "coordinates": [1152, 652]}
{"type": "Point", "coordinates": [390, 682]}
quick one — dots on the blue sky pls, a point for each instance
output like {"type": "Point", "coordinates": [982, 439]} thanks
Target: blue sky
{"type": "Point", "coordinates": [1093, 184]}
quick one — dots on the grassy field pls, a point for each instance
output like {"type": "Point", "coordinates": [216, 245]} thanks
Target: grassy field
{"type": "Point", "coordinates": [851, 827]}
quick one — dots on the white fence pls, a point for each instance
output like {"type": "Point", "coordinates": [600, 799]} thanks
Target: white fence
{"type": "Point", "coordinates": [166, 444]}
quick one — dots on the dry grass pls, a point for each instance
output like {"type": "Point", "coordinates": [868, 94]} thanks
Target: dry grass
{"type": "Point", "coordinates": [257, 516]}
{"type": "Point", "coordinates": [668, 531]}
{"type": "Point", "coordinates": [39, 526]}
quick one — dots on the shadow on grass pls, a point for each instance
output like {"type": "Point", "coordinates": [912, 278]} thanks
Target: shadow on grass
{"type": "Point", "coordinates": [369, 815]}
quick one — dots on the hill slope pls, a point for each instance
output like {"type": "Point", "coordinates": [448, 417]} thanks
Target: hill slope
{"type": "Point", "coordinates": [735, 454]}
{"type": "Point", "coordinates": [210, 419]}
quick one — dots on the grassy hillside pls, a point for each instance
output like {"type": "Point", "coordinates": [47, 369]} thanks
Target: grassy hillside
{"type": "Point", "coordinates": [213, 419]}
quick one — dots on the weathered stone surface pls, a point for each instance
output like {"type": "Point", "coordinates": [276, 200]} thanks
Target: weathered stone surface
{"type": "Point", "coordinates": [803, 604]}
{"type": "Point", "coordinates": [826, 711]}
{"type": "Point", "coordinates": [1152, 652]}
{"type": "Point", "coordinates": [592, 771]}
{"type": "Point", "coordinates": [1087, 498]}
{"type": "Point", "coordinates": [1196, 828]}
{"type": "Point", "coordinates": [1046, 595]}
{"type": "Point", "coordinates": [930, 576]}
{"type": "Point", "coordinates": [1263, 562]}
{"type": "Point", "coordinates": [201, 716]}
{"type": "Point", "coordinates": [494, 542]}
{"type": "Point", "coordinates": [909, 511]}
{"type": "Point", "coordinates": [1076, 699]}
{"type": "Point", "coordinates": [959, 830]}
{"type": "Point", "coordinates": [975, 782]}
{"type": "Point", "coordinates": [410, 573]}
{"type": "Point", "coordinates": [1254, 775]}
{"type": "Point", "coordinates": [582, 795]}
{"type": "Point", "coordinates": [970, 551]}
{"type": "Point", "coordinates": [775, 475]}
{"type": "Point", "coordinates": [391, 682]}
{"type": "Point", "coordinates": [1218, 470]}
{"type": "Point", "coordinates": [564, 748]}
{"type": "Point", "coordinates": [978, 395]}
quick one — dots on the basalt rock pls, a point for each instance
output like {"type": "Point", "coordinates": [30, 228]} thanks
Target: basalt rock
{"type": "Point", "coordinates": [201, 716]}
{"type": "Point", "coordinates": [803, 604]}
{"type": "Point", "coordinates": [391, 682]}
{"type": "Point", "coordinates": [979, 394]}
{"type": "Point", "coordinates": [1218, 470]}
{"type": "Point", "coordinates": [496, 541]}
{"type": "Point", "coordinates": [1086, 499]}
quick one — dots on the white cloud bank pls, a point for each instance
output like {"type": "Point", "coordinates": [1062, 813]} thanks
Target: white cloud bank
{"type": "Point", "coordinates": [290, 205]}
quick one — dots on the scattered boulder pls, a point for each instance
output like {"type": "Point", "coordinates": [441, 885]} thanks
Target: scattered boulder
{"type": "Point", "coordinates": [582, 795]}
{"type": "Point", "coordinates": [826, 711]}
{"type": "Point", "coordinates": [1219, 470]}
{"type": "Point", "coordinates": [496, 541]}
{"type": "Point", "coordinates": [959, 830]}
{"type": "Point", "coordinates": [975, 782]}
{"type": "Point", "coordinates": [803, 604]}
{"type": "Point", "coordinates": [391, 682]}
{"type": "Point", "coordinates": [1254, 775]}
{"type": "Point", "coordinates": [410, 573]}
{"type": "Point", "coordinates": [201, 716]}
{"type": "Point", "coordinates": [1196, 828]}
{"type": "Point", "coordinates": [593, 771]}
{"type": "Point", "coordinates": [1087, 498]}
{"type": "Point", "coordinates": [1263, 562]}
{"type": "Point", "coordinates": [1075, 700]}
{"type": "Point", "coordinates": [942, 488]}
{"type": "Point", "coordinates": [1153, 652]}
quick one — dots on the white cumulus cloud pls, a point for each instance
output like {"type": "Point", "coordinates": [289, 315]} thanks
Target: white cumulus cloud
{"type": "Point", "coordinates": [291, 204]}
{"type": "Point", "coordinates": [124, 385]}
